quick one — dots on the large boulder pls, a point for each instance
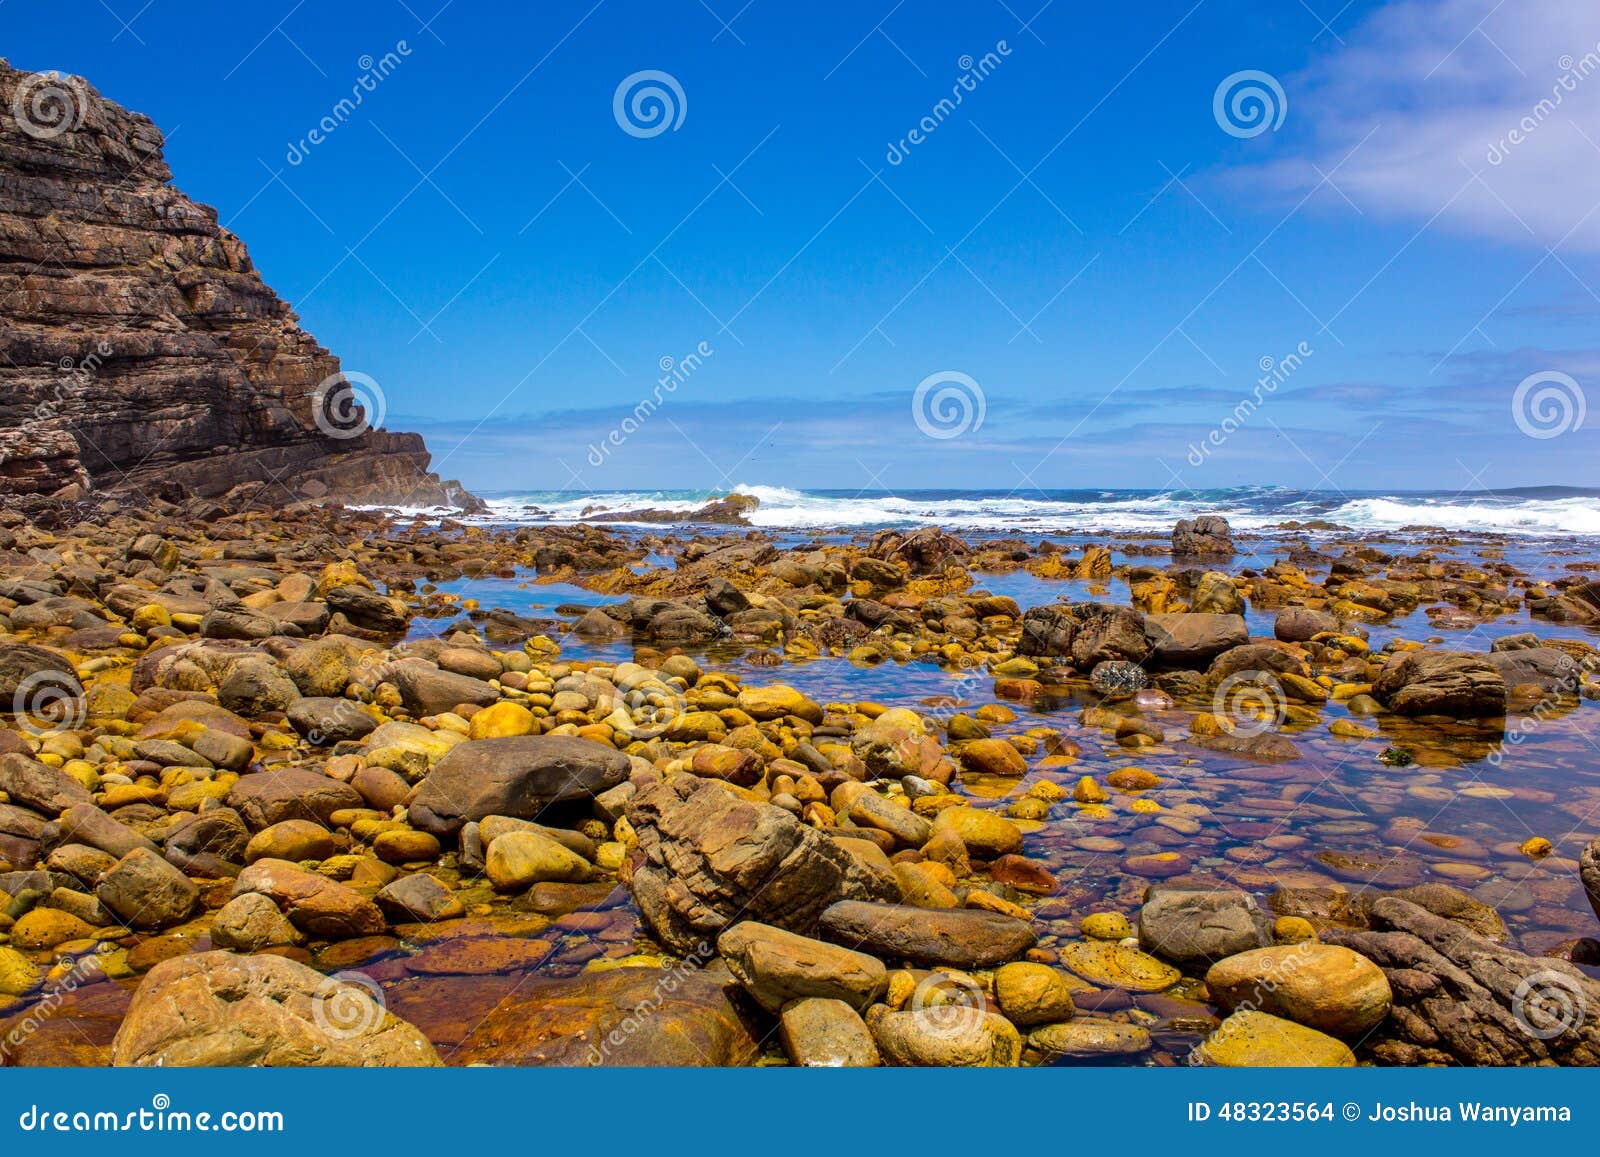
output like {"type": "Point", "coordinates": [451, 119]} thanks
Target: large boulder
{"type": "Point", "coordinates": [1322, 986]}
{"type": "Point", "coordinates": [1449, 683]}
{"type": "Point", "coordinates": [1208, 536]}
{"type": "Point", "coordinates": [217, 1009]}
{"type": "Point", "coordinates": [518, 776]}
{"type": "Point", "coordinates": [708, 858]}
{"type": "Point", "coordinates": [1086, 633]}
{"type": "Point", "coordinates": [1047, 631]}
{"type": "Point", "coordinates": [1192, 640]}
{"type": "Point", "coordinates": [1194, 926]}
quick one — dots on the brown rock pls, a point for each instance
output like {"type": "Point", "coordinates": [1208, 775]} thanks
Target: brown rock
{"type": "Point", "coordinates": [707, 858]}
{"type": "Point", "coordinates": [218, 1009]}
{"type": "Point", "coordinates": [777, 966]}
{"type": "Point", "coordinates": [960, 937]}
{"type": "Point", "coordinates": [312, 903]}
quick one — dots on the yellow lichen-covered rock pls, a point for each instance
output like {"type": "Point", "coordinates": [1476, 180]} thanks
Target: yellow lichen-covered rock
{"type": "Point", "coordinates": [1031, 994]}
{"type": "Point", "coordinates": [776, 702]}
{"type": "Point", "coordinates": [18, 974]}
{"type": "Point", "coordinates": [1293, 930]}
{"type": "Point", "coordinates": [404, 846]}
{"type": "Point", "coordinates": [1251, 1039]}
{"type": "Point", "coordinates": [1088, 791]}
{"type": "Point", "coordinates": [1029, 807]}
{"type": "Point", "coordinates": [985, 833]}
{"type": "Point", "coordinates": [519, 859]}
{"type": "Point", "coordinates": [48, 927]}
{"type": "Point", "coordinates": [341, 574]}
{"type": "Point", "coordinates": [992, 757]}
{"type": "Point", "coordinates": [150, 616]}
{"type": "Point", "coordinates": [1324, 986]}
{"type": "Point", "coordinates": [1106, 926]}
{"type": "Point", "coordinates": [503, 720]}
{"type": "Point", "coordinates": [1111, 965]}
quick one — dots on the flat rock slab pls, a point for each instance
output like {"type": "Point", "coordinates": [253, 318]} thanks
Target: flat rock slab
{"type": "Point", "coordinates": [959, 937]}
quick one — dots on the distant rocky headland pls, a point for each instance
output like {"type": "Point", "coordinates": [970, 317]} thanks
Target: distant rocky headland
{"type": "Point", "coordinates": [141, 353]}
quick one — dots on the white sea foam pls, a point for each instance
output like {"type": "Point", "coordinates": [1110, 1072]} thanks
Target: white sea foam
{"type": "Point", "coordinates": [1080, 512]}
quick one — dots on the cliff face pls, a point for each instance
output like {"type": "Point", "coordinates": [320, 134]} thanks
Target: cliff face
{"type": "Point", "coordinates": [140, 351]}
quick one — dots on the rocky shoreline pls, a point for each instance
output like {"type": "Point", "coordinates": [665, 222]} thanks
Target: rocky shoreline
{"type": "Point", "coordinates": [271, 793]}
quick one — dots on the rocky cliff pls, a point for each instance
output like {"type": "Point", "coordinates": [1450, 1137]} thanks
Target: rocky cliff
{"type": "Point", "coordinates": [140, 351]}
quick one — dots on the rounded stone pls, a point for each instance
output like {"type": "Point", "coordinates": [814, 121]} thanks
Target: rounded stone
{"type": "Point", "coordinates": [1324, 986]}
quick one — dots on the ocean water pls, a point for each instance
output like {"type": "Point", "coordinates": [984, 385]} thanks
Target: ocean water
{"type": "Point", "coordinates": [1540, 512]}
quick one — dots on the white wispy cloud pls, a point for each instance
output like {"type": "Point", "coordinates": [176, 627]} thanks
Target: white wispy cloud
{"type": "Point", "coordinates": [1478, 115]}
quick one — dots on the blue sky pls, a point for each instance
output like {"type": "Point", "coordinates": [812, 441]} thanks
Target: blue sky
{"type": "Point", "coordinates": [1081, 237]}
